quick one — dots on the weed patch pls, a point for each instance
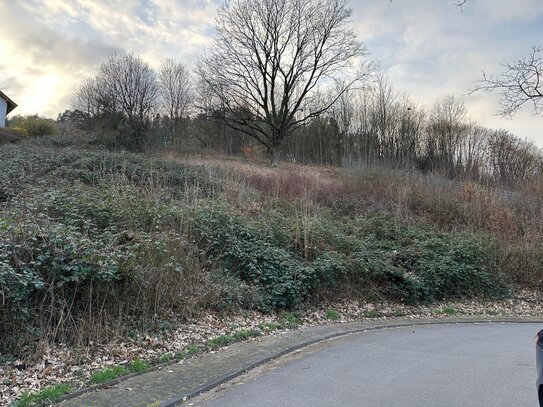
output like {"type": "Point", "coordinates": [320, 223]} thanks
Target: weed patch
{"type": "Point", "coordinates": [289, 319]}
{"type": "Point", "coordinates": [47, 395]}
{"type": "Point", "coordinates": [237, 336]}
{"type": "Point", "coordinates": [244, 334]}
{"type": "Point", "coordinates": [398, 313]}
{"type": "Point", "coordinates": [332, 314]}
{"type": "Point", "coordinates": [165, 358]}
{"type": "Point", "coordinates": [189, 351]}
{"type": "Point", "coordinates": [372, 314]}
{"type": "Point", "coordinates": [220, 341]}
{"type": "Point", "coordinates": [108, 374]}
{"type": "Point", "coordinates": [138, 366]}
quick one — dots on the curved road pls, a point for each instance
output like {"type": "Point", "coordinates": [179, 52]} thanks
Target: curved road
{"type": "Point", "coordinates": [426, 366]}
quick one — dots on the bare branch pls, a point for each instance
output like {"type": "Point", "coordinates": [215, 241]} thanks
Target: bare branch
{"type": "Point", "coordinates": [460, 3]}
{"type": "Point", "coordinates": [519, 84]}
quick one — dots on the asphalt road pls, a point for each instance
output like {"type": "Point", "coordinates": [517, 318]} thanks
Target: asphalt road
{"type": "Point", "coordinates": [435, 366]}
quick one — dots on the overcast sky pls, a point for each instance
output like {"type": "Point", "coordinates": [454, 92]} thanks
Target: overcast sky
{"type": "Point", "coordinates": [426, 47]}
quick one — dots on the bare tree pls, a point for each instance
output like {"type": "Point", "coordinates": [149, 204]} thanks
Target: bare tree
{"type": "Point", "coordinates": [270, 60]}
{"type": "Point", "coordinates": [342, 114]}
{"type": "Point", "coordinates": [85, 98]}
{"type": "Point", "coordinates": [472, 152]}
{"type": "Point", "coordinates": [521, 83]}
{"type": "Point", "coordinates": [122, 96]}
{"type": "Point", "coordinates": [176, 93]}
{"type": "Point", "coordinates": [445, 133]}
{"type": "Point", "coordinates": [384, 118]}
{"type": "Point", "coordinates": [513, 160]}
{"type": "Point", "coordinates": [133, 86]}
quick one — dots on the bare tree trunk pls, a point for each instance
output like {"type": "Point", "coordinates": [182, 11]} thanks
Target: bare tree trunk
{"type": "Point", "coordinates": [274, 148]}
{"type": "Point", "coordinates": [275, 156]}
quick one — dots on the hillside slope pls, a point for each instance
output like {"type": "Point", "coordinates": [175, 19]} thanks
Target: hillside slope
{"type": "Point", "coordinates": [94, 243]}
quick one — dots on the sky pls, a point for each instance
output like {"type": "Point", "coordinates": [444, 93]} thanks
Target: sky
{"type": "Point", "coordinates": [427, 48]}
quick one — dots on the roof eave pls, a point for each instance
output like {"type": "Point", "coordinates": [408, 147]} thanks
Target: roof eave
{"type": "Point", "coordinates": [11, 104]}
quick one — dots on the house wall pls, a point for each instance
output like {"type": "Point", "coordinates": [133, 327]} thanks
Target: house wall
{"type": "Point", "coordinates": [3, 110]}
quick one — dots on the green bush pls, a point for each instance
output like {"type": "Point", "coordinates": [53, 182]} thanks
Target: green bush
{"type": "Point", "coordinates": [410, 263]}
{"type": "Point", "coordinates": [246, 251]}
{"type": "Point", "coordinates": [33, 125]}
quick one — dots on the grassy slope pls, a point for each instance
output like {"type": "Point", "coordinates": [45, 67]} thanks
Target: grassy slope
{"type": "Point", "coordinates": [93, 242]}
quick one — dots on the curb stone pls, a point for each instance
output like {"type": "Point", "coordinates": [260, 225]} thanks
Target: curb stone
{"type": "Point", "coordinates": [191, 377]}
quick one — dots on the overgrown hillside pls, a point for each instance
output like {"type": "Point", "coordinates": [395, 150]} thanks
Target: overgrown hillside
{"type": "Point", "coordinates": [94, 243]}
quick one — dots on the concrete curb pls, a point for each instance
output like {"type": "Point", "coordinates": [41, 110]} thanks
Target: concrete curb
{"type": "Point", "coordinates": [217, 381]}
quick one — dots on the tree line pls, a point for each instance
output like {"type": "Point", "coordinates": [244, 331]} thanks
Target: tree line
{"type": "Point", "coordinates": [124, 96]}
{"type": "Point", "coordinates": [291, 79]}
{"type": "Point", "coordinates": [375, 126]}
{"type": "Point", "coordinates": [381, 127]}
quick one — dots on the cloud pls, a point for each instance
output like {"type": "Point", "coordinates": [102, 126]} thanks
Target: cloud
{"type": "Point", "coordinates": [29, 38]}
{"type": "Point", "coordinates": [430, 49]}
{"type": "Point", "coordinates": [499, 12]}
{"type": "Point", "coordinates": [54, 44]}
{"type": "Point", "coordinates": [148, 27]}
{"type": "Point", "coordinates": [39, 65]}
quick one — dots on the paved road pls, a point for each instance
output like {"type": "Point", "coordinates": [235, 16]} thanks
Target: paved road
{"type": "Point", "coordinates": [434, 366]}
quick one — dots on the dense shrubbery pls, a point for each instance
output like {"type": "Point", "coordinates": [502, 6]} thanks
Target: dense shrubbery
{"type": "Point", "coordinates": [33, 125]}
{"type": "Point", "coordinates": [92, 243]}
{"type": "Point", "coordinates": [87, 238]}
{"type": "Point", "coordinates": [248, 252]}
{"type": "Point", "coordinates": [376, 256]}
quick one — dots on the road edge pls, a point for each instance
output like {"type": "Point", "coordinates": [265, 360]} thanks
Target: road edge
{"type": "Point", "coordinates": [217, 381]}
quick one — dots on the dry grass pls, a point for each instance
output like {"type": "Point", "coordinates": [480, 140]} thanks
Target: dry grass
{"type": "Point", "coordinates": [514, 219]}
{"type": "Point", "coordinates": [448, 204]}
